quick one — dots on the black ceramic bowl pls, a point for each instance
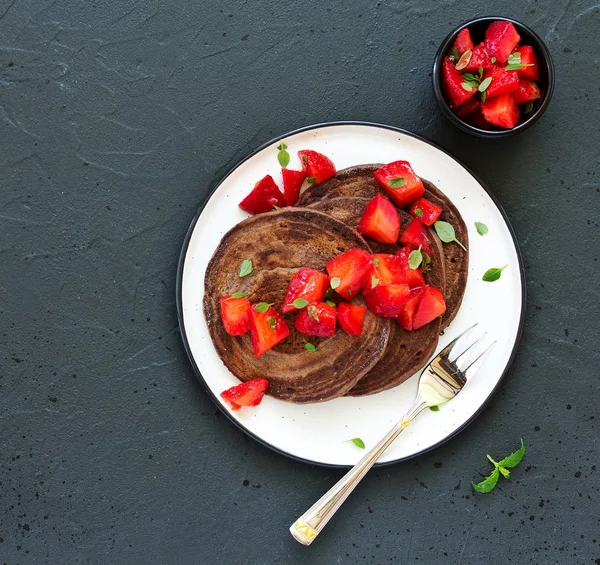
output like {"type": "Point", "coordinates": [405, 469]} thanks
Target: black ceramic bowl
{"type": "Point", "coordinates": [528, 37]}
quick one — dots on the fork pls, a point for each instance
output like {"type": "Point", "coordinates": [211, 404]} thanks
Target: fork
{"type": "Point", "coordinates": [440, 381]}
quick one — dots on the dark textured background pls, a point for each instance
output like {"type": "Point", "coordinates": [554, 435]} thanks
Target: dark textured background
{"type": "Point", "coordinates": [115, 118]}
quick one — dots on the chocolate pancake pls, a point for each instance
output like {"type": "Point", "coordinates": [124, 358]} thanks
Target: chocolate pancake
{"type": "Point", "coordinates": [406, 352]}
{"type": "Point", "coordinates": [359, 182]}
{"type": "Point", "coordinates": [278, 244]}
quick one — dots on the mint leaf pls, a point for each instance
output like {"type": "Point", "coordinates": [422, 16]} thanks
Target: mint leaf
{"type": "Point", "coordinates": [434, 408]}
{"type": "Point", "coordinates": [310, 347]}
{"type": "Point", "coordinates": [514, 58]}
{"type": "Point", "coordinates": [263, 306]}
{"type": "Point", "coordinates": [397, 182]}
{"type": "Point", "coordinates": [493, 274]}
{"type": "Point", "coordinates": [376, 261]}
{"type": "Point", "coordinates": [482, 229]}
{"type": "Point", "coordinates": [455, 54]}
{"type": "Point", "coordinates": [446, 233]}
{"type": "Point", "coordinates": [468, 86]}
{"type": "Point", "coordinates": [300, 303]}
{"type": "Point", "coordinates": [246, 267]}
{"type": "Point", "coordinates": [514, 458]}
{"type": "Point", "coordinates": [283, 156]}
{"type": "Point", "coordinates": [485, 83]}
{"type": "Point", "coordinates": [493, 59]}
{"type": "Point", "coordinates": [331, 303]}
{"type": "Point", "coordinates": [418, 212]}
{"type": "Point", "coordinates": [488, 483]}
{"type": "Point", "coordinates": [415, 259]}
{"type": "Point", "coordinates": [356, 441]}
{"type": "Point", "coordinates": [238, 295]}
{"type": "Point", "coordinates": [272, 322]}
{"type": "Point", "coordinates": [528, 107]}
{"type": "Point", "coordinates": [374, 282]}
{"type": "Point", "coordinates": [335, 282]}
{"type": "Point", "coordinates": [483, 96]}
{"type": "Point", "coordinates": [311, 180]}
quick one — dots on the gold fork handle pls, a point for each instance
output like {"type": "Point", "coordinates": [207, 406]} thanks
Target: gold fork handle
{"type": "Point", "coordinates": [306, 528]}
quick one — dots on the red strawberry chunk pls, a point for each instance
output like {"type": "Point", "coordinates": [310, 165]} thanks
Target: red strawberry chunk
{"type": "Point", "coordinates": [387, 300]}
{"type": "Point", "coordinates": [480, 58]}
{"type": "Point", "coordinates": [527, 91]}
{"type": "Point", "coordinates": [463, 41]}
{"type": "Point", "coordinates": [431, 305]}
{"type": "Point", "coordinates": [387, 269]}
{"type": "Point", "coordinates": [416, 235]}
{"type": "Point", "coordinates": [380, 220]}
{"type": "Point", "coordinates": [414, 277]}
{"type": "Point", "coordinates": [501, 111]}
{"type": "Point", "coordinates": [501, 38]}
{"type": "Point", "coordinates": [317, 319]}
{"type": "Point", "coordinates": [530, 62]}
{"type": "Point", "coordinates": [292, 183]}
{"type": "Point", "coordinates": [249, 393]}
{"type": "Point", "coordinates": [316, 166]}
{"type": "Point", "coordinates": [263, 197]}
{"type": "Point", "coordinates": [502, 81]}
{"type": "Point", "coordinates": [351, 317]}
{"type": "Point", "coordinates": [468, 108]}
{"type": "Point", "coordinates": [347, 272]}
{"type": "Point", "coordinates": [308, 284]}
{"type": "Point", "coordinates": [407, 314]}
{"type": "Point", "coordinates": [428, 212]}
{"type": "Point", "coordinates": [267, 329]}
{"type": "Point", "coordinates": [234, 314]}
{"type": "Point", "coordinates": [452, 83]}
{"type": "Point", "coordinates": [399, 182]}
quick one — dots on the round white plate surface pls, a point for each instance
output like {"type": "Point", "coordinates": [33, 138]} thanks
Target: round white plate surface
{"type": "Point", "coordinates": [318, 433]}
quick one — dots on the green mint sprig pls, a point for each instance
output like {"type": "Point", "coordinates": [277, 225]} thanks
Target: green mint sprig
{"type": "Point", "coordinates": [500, 468]}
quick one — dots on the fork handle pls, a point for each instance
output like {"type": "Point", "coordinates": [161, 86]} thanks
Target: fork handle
{"type": "Point", "coordinates": [306, 528]}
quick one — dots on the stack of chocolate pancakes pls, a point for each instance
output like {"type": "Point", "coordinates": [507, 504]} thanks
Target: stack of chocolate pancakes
{"type": "Point", "coordinates": [321, 227]}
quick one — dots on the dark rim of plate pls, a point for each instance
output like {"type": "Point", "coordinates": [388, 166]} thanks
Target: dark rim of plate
{"type": "Point", "coordinates": [179, 290]}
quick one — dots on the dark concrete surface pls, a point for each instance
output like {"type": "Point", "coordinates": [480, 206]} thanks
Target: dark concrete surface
{"type": "Point", "coordinates": [115, 118]}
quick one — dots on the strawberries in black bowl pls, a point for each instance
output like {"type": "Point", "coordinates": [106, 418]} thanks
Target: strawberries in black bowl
{"type": "Point", "coordinates": [493, 77]}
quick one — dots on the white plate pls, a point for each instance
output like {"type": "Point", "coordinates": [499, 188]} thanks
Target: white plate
{"type": "Point", "coordinates": [317, 432]}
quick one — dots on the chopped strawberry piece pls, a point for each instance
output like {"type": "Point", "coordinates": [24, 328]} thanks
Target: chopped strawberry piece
{"type": "Point", "coordinates": [527, 91]}
{"type": "Point", "coordinates": [347, 272]}
{"type": "Point", "coordinates": [308, 284]}
{"type": "Point", "coordinates": [463, 41]}
{"type": "Point", "coordinates": [292, 183]}
{"type": "Point", "coordinates": [501, 38]}
{"type": "Point", "coordinates": [530, 62]}
{"type": "Point", "coordinates": [380, 220]}
{"type": "Point", "coordinates": [453, 88]}
{"type": "Point", "coordinates": [317, 319]}
{"type": "Point", "coordinates": [387, 269]}
{"type": "Point", "coordinates": [416, 235]}
{"type": "Point", "coordinates": [234, 314]}
{"type": "Point", "coordinates": [431, 305]}
{"type": "Point", "coordinates": [501, 111]}
{"type": "Point", "coordinates": [480, 58]}
{"type": "Point", "coordinates": [399, 182]}
{"type": "Point", "coordinates": [468, 108]}
{"type": "Point", "coordinates": [249, 393]}
{"type": "Point", "coordinates": [414, 277]}
{"type": "Point", "coordinates": [407, 314]}
{"type": "Point", "coordinates": [428, 212]}
{"type": "Point", "coordinates": [267, 329]}
{"type": "Point", "coordinates": [316, 166]}
{"type": "Point", "coordinates": [263, 197]}
{"type": "Point", "coordinates": [351, 317]}
{"type": "Point", "coordinates": [387, 300]}
{"type": "Point", "coordinates": [477, 119]}
{"type": "Point", "coordinates": [502, 81]}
